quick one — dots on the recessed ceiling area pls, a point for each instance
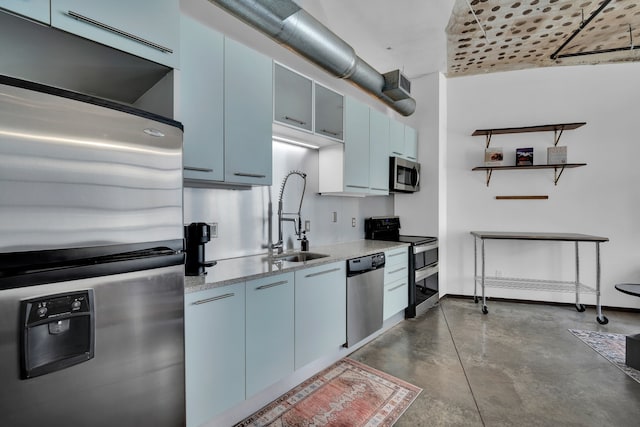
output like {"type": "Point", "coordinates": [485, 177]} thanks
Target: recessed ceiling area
{"type": "Point", "coordinates": [511, 35]}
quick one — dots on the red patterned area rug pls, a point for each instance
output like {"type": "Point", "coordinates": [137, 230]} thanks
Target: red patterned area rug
{"type": "Point", "coordinates": [347, 394]}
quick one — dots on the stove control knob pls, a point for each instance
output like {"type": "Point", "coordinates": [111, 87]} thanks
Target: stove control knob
{"type": "Point", "coordinates": [42, 311]}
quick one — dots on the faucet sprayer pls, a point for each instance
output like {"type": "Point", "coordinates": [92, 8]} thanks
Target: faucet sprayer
{"type": "Point", "coordinates": [298, 227]}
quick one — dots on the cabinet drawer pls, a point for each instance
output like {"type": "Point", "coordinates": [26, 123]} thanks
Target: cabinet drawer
{"type": "Point", "coordinates": [396, 298]}
{"type": "Point", "coordinates": [395, 273]}
{"type": "Point", "coordinates": [395, 258]}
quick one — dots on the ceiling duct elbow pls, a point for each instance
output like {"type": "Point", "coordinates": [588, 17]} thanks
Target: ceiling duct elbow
{"type": "Point", "coordinates": [292, 26]}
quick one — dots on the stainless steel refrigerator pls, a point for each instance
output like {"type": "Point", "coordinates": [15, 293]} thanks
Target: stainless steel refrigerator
{"type": "Point", "coordinates": [91, 262]}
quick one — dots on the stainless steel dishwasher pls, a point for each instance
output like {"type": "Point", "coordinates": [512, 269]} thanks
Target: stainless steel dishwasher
{"type": "Point", "coordinates": [365, 292]}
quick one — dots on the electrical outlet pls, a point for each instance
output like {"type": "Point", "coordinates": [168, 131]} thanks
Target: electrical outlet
{"type": "Point", "coordinates": [307, 226]}
{"type": "Point", "coordinates": [353, 222]}
{"type": "Point", "coordinates": [214, 229]}
{"type": "Point", "coordinates": [334, 216]}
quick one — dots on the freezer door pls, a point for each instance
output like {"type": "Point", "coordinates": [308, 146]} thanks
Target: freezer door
{"type": "Point", "coordinates": [75, 174]}
{"type": "Point", "coordinates": [136, 374]}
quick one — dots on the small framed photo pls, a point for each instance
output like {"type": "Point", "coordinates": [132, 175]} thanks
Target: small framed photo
{"type": "Point", "coordinates": [493, 156]}
{"type": "Point", "coordinates": [524, 156]}
{"type": "Point", "coordinates": [556, 155]}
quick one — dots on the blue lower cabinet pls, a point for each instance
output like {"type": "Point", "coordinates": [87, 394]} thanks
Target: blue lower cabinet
{"type": "Point", "coordinates": [214, 351]}
{"type": "Point", "coordinates": [270, 335]}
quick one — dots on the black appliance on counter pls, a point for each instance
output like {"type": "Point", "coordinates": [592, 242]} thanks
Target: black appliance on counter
{"type": "Point", "coordinates": [197, 235]}
{"type": "Point", "coordinates": [423, 261]}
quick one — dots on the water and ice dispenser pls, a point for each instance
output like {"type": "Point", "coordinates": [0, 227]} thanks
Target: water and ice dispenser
{"type": "Point", "coordinates": [57, 332]}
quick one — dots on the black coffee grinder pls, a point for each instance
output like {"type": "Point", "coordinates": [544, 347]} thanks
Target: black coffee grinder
{"type": "Point", "coordinates": [196, 234]}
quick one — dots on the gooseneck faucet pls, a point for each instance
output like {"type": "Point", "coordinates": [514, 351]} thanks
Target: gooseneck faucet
{"type": "Point", "coordinates": [296, 219]}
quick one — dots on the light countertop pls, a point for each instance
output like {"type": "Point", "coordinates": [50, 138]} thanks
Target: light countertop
{"type": "Point", "coordinates": [234, 270]}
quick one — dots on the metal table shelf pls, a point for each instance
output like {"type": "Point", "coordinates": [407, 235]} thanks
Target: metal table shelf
{"type": "Point", "coordinates": [536, 284]}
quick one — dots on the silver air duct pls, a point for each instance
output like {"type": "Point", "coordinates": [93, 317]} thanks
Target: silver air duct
{"type": "Point", "coordinates": [292, 26]}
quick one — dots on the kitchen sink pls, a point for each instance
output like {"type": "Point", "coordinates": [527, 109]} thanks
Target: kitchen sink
{"type": "Point", "coordinates": [299, 256]}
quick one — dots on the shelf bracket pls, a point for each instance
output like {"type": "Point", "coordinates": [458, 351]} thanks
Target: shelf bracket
{"type": "Point", "coordinates": [557, 175]}
{"type": "Point", "coordinates": [489, 171]}
{"type": "Point", "coordinates": [556, 136]}
{"type": "Point", "coordinates": [488, 138]}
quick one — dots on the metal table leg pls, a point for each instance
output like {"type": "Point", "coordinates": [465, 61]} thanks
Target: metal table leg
{"type": "Point", "coordinates": [579, 307]}
{"type": "Point", "coordinates": [484, 297]}
{"type": "Point", "coordinates": [600, 318]}
{"type": "Point", "coordinates": [475, 269]}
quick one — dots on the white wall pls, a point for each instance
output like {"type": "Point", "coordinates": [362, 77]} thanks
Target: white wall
{"type": "Point", "coordinates": [601, 198]}
{"type": "Point", "coordinates": [418, 211]}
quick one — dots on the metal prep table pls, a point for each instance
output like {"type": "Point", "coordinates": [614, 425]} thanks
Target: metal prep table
{"type": "Point", "coordinates": [534, 284]}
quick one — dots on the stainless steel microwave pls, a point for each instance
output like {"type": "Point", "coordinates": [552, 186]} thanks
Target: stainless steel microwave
{"type": "Point", "coordinates": [404, 175]}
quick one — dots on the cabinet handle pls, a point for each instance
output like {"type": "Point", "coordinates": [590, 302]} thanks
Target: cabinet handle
{"type": "Point", "coordinates": [330, 132]}
{"type": "Point", "coordinates": [194, 169]}
{"type": "Point", "coordinates": [249, 175]}
{"type": "Point", "coordinates": [114, 30]}
{"type": "Point", "coordinates": [411, 157]}
{"type": "Point", "coordinates": [379, 189]}
{"type": "Point", "coordinates": [355, 186]}
{"type": "Point", "coordinates": [293, 119]}
{"type": "Point", "coordinates": [204, 301]}
{"type": "Point", "coordinates": [397, 287]}
{"type": "Point", "coordinates": [397, 254]}
{"type": "Point", "coordinates": [271, 285]}
{"type": "Point", "coordinates": [322, 272]}
{"type": "Point", "coordinates": [399, 269]}
{"type": "Point", "coordinates": [395, 152]}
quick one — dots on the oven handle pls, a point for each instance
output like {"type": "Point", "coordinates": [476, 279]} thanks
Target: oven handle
{"type": "Point", "coordinates": [424, 272]}
{"type": "Point", "coordinates": [418, 249]}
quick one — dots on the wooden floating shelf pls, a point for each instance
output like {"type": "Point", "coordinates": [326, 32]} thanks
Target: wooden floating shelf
{"type": "Point", "coordinates": [524, 129]}
{"type": "Point", "coordinates": [566, 165]}
{"type": "Point", "coordinates": [562, 167]}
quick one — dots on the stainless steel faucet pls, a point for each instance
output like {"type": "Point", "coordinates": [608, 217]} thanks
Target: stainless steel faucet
{"type": "Point", "coordinates": [296, 218]}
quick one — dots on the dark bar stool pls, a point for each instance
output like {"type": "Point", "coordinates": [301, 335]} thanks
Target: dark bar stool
{"type": "Point", "coordinates": [632, 356]}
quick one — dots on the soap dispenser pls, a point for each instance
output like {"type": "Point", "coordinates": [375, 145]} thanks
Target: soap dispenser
{"type": "Point", "coordinates": [304, 244]}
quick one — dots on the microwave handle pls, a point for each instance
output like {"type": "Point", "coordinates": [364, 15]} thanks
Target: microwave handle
{"type": "Point", "coordinates": [416, 174]}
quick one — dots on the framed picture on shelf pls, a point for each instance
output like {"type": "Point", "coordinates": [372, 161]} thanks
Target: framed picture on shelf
{"type": "Point", "coordinates": [493, 156]}
{"type": "Point", "coordinates": [556, 155]}
{"type": "Point", "coordinates": [524, 156]}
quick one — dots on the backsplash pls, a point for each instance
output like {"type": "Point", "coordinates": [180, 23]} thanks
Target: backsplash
{"type": "Point", "coordinates": [242, 215]}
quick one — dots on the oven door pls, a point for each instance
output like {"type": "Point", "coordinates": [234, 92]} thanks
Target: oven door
{"type": "Point", "coordinates": [404, 175]}
{"type": "Point", "coordinates": [424, 292]}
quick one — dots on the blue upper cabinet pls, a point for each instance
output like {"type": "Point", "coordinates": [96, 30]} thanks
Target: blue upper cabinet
{"type": "Point", "coordinates": [378, 153]}
{"type": "Point", "coordinates": [146, 28]}
{"type": "Point", "coordinates": [248, 109]}
{"type": "Point", "coordinates": [201, 101]}
{"type": "Point", "coordinates": [292, 98]}
{"type": "Point", "coordinates": [38, 10]}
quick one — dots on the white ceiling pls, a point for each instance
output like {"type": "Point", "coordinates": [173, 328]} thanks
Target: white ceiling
{"type": "Point", "coordinates": [401, 34]}
{"type": "Point", "coordinates": [424, 36]}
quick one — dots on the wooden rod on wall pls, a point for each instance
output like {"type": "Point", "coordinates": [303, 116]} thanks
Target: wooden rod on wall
{"type": "Point", "coordinates": [522, 197]}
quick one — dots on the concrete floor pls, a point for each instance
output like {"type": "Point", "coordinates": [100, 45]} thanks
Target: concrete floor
{"type": "Point", "coordinates": [516, 366]}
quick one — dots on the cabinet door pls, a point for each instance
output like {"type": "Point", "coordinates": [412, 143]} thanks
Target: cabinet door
{"type": "Point", "coordinates": [34, 9]}
{"type": "Point", "coordinates": [329, 110]}
{"type": "Point", "coordinates": [146, 28]}
{"type": "Point", "coordinates": [214, 351]}
{"type": "Point", "coordinates": [396, 138]}
{"type": "Point", "coordinates": [269, 331]}
{"type": "Point", "coordinates": [321, 312]}
{"type": "Point", "coordinates": [248, 108]}
{"type": "Point", "coordinates": [379, 153]}
{"type": "Point", "coordinates": [410, 143]}
{"type": "Point", "coordinates": [292, 98]}
{"type": "Point", "coordinates": [202, 101]}
{"type": "Point", "coordinates": [356, 147]}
